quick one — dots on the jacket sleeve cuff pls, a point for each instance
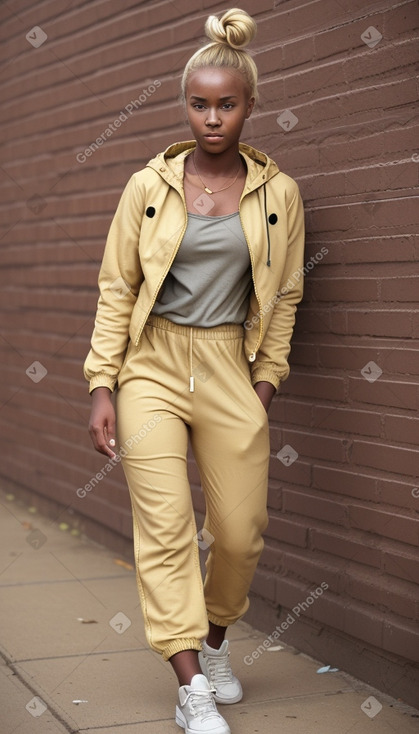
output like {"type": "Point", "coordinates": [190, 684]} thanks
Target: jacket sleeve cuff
{"type": "Point", "coordinates": [266, 374]}
{"type": "Point", "coordinates": [102, 379]}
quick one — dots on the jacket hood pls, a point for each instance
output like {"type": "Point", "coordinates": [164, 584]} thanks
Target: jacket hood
{"type": "Point", "coordinates": [169, 164]}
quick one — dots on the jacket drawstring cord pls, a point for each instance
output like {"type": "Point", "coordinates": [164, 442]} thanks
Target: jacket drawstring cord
{"type": "Point", "coordinates": [191, 377]}
{"type": "Point", "coordinates": [268, 262]}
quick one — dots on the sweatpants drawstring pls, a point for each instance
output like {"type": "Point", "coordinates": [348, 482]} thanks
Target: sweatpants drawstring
{"type": "Point", "coordinates": [189, 333]}
{"type": "Point", "coordinates": [191, 377]}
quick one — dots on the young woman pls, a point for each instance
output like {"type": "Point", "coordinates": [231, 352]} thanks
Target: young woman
{"type": "Point", "coordinates": [199, 283]}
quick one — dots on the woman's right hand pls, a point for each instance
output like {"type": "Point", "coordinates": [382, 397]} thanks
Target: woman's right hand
{"type": "Point", "coordinates": [102, 421]}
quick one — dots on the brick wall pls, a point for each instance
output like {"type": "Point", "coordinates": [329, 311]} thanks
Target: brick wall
{"type": "Point", "coordinates": [343, 494]}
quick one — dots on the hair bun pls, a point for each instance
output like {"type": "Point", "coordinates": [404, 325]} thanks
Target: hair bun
{"type": "Point", "coordinates": [235, 28]}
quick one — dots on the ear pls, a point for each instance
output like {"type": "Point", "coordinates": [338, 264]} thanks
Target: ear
{"type": "Point", "coordinates": [250, 105]}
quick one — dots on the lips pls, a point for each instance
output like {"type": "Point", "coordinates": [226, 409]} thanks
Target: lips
{"type": "Point", "coordinates": [212, 136]}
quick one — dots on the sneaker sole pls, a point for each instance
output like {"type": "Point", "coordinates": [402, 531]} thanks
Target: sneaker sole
{"type": "Point", "coordinates": [181, 721]}
{"type": "Point", "coordinates": [236, 699]}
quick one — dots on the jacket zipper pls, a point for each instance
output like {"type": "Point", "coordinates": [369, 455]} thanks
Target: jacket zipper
{"type": "Point", "coordinates": [137, 339]}
{"type": "Point", "coordinates": [252, 356]}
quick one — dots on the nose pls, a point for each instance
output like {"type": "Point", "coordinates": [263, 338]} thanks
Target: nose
{"type": "Point", "coordinates": [212, 117]}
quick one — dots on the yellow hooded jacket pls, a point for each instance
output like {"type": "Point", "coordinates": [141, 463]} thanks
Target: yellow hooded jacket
{"type": "Point", "coordinates": [143, 240]}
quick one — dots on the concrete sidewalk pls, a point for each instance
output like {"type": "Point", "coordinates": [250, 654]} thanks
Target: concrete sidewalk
{"type": "Point", "coordinates": [75, 657]}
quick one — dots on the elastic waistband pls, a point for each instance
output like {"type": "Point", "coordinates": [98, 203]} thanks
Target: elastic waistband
{"type": "Point", "coordinates": [223, 331]}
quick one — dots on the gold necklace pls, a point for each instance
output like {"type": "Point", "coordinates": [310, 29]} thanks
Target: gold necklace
{"type": "Point", "coordinates": [208, 191]}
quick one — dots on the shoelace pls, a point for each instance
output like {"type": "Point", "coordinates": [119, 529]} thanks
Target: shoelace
{"type": "Point", "coordinates": [219, 670]}
{"type": "Point", "coordinates": [202, 703]}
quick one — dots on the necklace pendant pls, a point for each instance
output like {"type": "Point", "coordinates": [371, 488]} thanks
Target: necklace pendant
{"type": "Point", "coordinates": [208, 190]}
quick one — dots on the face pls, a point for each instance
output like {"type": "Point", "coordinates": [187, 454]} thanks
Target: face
{"type": "Point", "coordinates": [217, 104]}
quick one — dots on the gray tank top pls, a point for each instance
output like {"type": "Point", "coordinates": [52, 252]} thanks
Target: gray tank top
{"type": "Point", "coordinates": [210, 278]}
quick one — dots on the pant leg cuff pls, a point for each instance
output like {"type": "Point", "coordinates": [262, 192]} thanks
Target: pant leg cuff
{"type": "Point", "coordinates": [186, 643]}
{"type": "Point", "coordinates": [218, 621]}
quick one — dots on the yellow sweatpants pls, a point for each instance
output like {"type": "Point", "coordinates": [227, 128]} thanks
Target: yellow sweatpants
{"type": "Point", "coordinates": [158, 407]}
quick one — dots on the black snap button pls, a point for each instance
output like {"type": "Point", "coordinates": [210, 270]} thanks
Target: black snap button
{"type": "Point", "coordinates": [272, 219]}
{"type": "Point", "coordinates": [150, 211]}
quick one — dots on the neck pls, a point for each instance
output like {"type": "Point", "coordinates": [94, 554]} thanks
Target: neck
{"type": "Point", "coordinates": [216, 164]}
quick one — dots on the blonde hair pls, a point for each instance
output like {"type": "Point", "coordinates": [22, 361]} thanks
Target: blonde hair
{"type": "Point", "coordinates": [229, 35]}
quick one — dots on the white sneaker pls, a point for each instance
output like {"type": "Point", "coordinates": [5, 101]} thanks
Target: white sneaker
{"type": "Point", "coordinates": [197, 712]}
{"type": "Point", "coordinates": [215, 665]}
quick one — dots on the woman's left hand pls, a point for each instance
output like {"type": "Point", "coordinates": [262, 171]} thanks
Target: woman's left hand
{"type": "Point", "coordinates": [265, 392]}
